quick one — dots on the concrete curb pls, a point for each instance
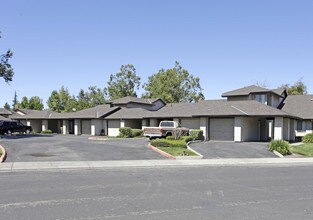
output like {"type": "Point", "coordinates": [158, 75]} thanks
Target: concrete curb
{"type": "Point", "coordinates": [129, 164]}
{"type": "Point", "coordinates": [189, 148]}
{"type": "Point", "coordinates": [4, 154]}
{"type": "Point", "coordinates": [162, 152]}
{"type": "Point", "coordinates": [278, 154]}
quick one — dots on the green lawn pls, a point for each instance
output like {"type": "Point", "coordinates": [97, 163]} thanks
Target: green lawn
{"type": "Point", "coordinates": [177, 151]}
{"type": "Point", "coordinates": [303, 149]}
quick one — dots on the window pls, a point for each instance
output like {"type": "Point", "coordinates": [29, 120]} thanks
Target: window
{"type": "Point", "coordinates": [261, 98]}
{"type": "Point", "coordinates": [299, 125]}
{"type": "Point", "coordinates": [167, 124]}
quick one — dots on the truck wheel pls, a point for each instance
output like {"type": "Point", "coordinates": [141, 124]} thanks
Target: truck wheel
{"type": "Point", "coordinates": [9, 132]}
{"type": "Point", "coordinates": [27, 131]}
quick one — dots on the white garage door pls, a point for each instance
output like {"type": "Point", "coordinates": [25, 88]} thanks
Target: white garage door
{"type": "Point", "coordinates": [222, 129]}
{"type": "Point", "coordinates": [86, 127]}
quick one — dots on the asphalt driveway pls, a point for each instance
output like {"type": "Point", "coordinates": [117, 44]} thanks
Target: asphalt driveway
{"type": "Point", "coordinates": [33, 148]}
{"type": "Point", "coordinates": [213, 150]}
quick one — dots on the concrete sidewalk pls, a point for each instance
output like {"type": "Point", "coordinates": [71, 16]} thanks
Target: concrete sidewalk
{"type": "Point", "coordinates": [63, 165]}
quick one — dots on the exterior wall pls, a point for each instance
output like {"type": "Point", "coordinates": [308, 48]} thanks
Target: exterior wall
{"type": "Point", "coordinates": [154, 122]}
{"type": "Point", "coordinates": [251, 129]}
{"type": "Point", "coordinates": [77, 127]}
{"type": "Point", "coordinates": [44, 124]}
{"type": "Point", "coordinates": [96, 126]}
{"type": "Point", "coordinates": [113, 128]}
{"type": "Point", "coordinates": [105, 127]}
{"type": "Point", "coordinates": [286, 130]}
{"type": "Point", "coordinates": [278, 128]}
{"type": "Point", "coordinates": [292, 134]}
{"type": "Point", "coordinates": [204, 126]}
{"type": "Point", "coordinates": [157, 105]}
{"type": "Point", "coordinates": [238, 129]}
{"type": "Point", "coordinates": [191, 123]}
{"type": "Point", "coordinates": [306, 128]}
{"type": "Point", "coordinates": [137, 105]}
{"type": "Point", "coordinates": [135, 124]}
{"type": "Point", "coordinates": [86, 126]}
{"type": "Point", "coordinates": [276, 100]}
{"type": "Point", "coordinates": [36, 125]}
{"type": "Point", "coordinates": [65, 127]}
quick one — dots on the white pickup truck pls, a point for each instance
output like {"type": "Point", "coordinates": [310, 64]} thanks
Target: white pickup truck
{"type": "Point", "coordinates": [165, 129]}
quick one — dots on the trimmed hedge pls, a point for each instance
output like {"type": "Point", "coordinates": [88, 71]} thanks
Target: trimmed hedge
{"type": "Point", "coordinates": [168, 143]}
{"type": "Point", "coordinates": [137, 132]}
{"type": "Point", "coordinates": [308, 138]}
{"type": "Point", "coordinates": [280, 146]}
{"type": "Point", "coordinates": [125, 132]}
{"type": "Point", "coordinates": [183, 138]}
{"type": "Point", "coordinates": [46, 132]}
{"type": "Point", "coordinates": [197, 134]}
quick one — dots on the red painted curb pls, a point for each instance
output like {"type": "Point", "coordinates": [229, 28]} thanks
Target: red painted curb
{"type": "Point", "coordinates": [162, 152]}
{"type": "Point", "coordinates": [4, 154]}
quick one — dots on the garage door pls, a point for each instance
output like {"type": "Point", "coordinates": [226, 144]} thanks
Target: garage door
{"type": "Point", "coordinates": [86, 127]}
{"type": "Point", "coordinates": [222, 129]}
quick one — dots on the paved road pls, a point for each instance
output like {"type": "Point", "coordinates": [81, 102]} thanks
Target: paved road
{"type": "Point", "coordinates": [75, 148]}
{"type": "Point", "coordinates": [232, 150]}
{"type": "Point", "coordinates": [167, 193]}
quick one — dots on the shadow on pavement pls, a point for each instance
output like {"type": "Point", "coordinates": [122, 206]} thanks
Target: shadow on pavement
{"type": "Point", "coordinates": [20, 136]}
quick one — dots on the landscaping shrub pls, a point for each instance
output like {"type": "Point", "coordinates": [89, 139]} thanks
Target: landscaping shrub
{"type": "Point", "coordinates": [137, 132]}
{"type": "Point", "coordinates": [197, 134]}
{"type": "Point", "coordinates": [168, 143]}
{"type": "Point", "coordinates": [308, 138]}
{"type": "Point", "coordinates": [170, 138]}
{"type": "Point", "coordinates": [125, 132]}
{"type": "Point", "coordinates": [188, 138]}
{"type": "Point", "coordinates": [280, 146]}
{"type": "Point", "coordinates": [46, 132]}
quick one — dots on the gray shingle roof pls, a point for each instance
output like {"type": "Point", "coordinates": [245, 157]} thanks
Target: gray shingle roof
{"type": "Point", "coordinates": [237, 108]}
{"type": "Point", "coordinates": [251, 89]}
{"type": "Point", "coordinates": [95, 112]}
{"type": "Point", "coordinates": [3, 111]}
{"type": "Point", "coordinates": [129, 113]}
{"type": "Point", "coordinates": [129, 99]}
{"type": "Point", "coordinates": [299, 105]}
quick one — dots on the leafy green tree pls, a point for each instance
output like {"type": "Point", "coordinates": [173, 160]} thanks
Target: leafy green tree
{"type": "Point", "coordinates": [54, 102]}
{"type": "Point", "coordinates": [6, 70]}
{"type": "Point", "coordinates": [35, 103]}
{"type": "Point", "coordinates": [95, 96]}
{"type": "Point", "coordinates": [61, 101]}
{"type": "Point", "coordinates": [174, 85]}
{"type": "Point", "coordinates": [15, 103]}
{"type": "Point", "coordinates": [298, 88]}
{"type": "Point", "coordinates": [7, 106]}
{"type": "Point", "coordinates": [24, 103]}
{"type": "Point", "coordinates": [123, 83]}
{"type": "Point", "coordinates": [83, 101]}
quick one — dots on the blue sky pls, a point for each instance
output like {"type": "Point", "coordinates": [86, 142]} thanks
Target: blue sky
{"type": "Point", "coordinates": [228, 44]}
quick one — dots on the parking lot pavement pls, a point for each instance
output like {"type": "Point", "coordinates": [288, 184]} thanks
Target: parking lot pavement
{"type": "Point", "coordinates": [212, 149]}
{"type": "Point", "coordinates": [33, 148]}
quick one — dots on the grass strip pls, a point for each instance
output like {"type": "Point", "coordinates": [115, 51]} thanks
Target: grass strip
{"type": "Point", "coordinates": [177, 151]}
{"type": "Point", "coordinates": [303, 149]}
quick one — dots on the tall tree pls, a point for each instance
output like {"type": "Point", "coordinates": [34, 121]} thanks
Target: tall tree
{"type": "Point", "coordinates": [123, 83]}
{"type": "Point", "coordinates": [174, 85]}
{"type": "Point", "coordinates": [61, 101]}
{"type": "Point", "coordinates": [6, 70]}
{"type": "Point", "coordinates": [83, 101]}
{"type": "Point", "coordinates": [15, 103]}
{"type": "Point", "coordinates": [7, 106]}
{"type": "Point", "coordinates": [54, 102]}
{"type": "Point", "coordinates": [298, 88]}
{"type": "Point", "coordinates": [95, 96]}
{"type": "Point", "coordinates": [24, 103]}
{"type": "Point", "coordinates": [35, 103]}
